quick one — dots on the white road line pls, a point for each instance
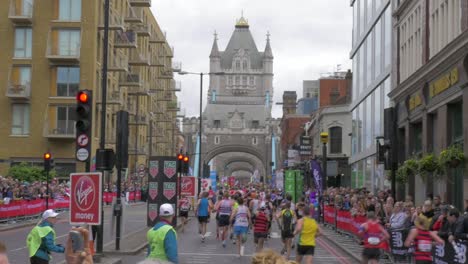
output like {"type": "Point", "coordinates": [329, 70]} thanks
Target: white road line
{"type": "Point", "coordinates": [197, 256]}
{"type": "Point", "coordinates": [21, 248]}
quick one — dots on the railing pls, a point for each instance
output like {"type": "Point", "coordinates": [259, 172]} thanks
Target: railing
{"type": "Point", "coordinates": [63, 128]}
{"type": "Point", "coordinates": [134, 15]}
{"type": "Point", "coordinates": [141, 29]}
{"type": "Point", "coordinates": [176, 66]}
{"type": "Point", "coordinates": [146, 3]}
{"type": "Point", "coordinates": [175, 85]}
{"type": "Point", "coordinates": [130, 79]}
{"type": "Point", "coordinates": [140, 119]}
{"type": "Point", "coordinates": [62, 50]}
{"type": "Point", "coordinates": [125, 39]}
{"type": "Point", "coordinates": [19, 91]}
{"type": "Point", "coordinates": [118, 63]}
{"type": "Point", "coordinates": [138, 58]}
{"type": "Point", "coordinates": [21, 11]}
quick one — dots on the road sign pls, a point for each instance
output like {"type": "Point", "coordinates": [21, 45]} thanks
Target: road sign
{"type": "Point", "coordinates": [85, 198]}
{"type": "Point", "coordinates": [82, 140]}
{"type": "Point", "coordinates": [82, 154]}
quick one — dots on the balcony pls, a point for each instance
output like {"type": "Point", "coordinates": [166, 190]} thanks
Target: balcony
{"type": "Point", "coordinates": [141, 30]}
{"type": "Point", "coordinates": [173, 106]}
{"type": "Point", "coordinates": [165, 98]}
{"type": "Point", "coordinates": [176, 66]}
{"type": "Point", "coordinates": [130, 79]}
{"type": "Point", "coordinates": [138, 90]}
{"type": "Point", "coordinates": [21, 12]}
{"type": "Point", "coordinates": [59, 129]}
{"type": "Point", "coordinates": [175, 86]}
{"type": "Point", "coordinates": [113, 98]}
{"type": "Point", "coordinates": [143, 3]}
{"type": "Point", "coordinates": [166, 74]}
{"type": "Point", "coordinates": [19, 92]}
{"type": "Point", "coordinates": [180, 113]}
{"type": "Point", "coordinates": [156, 61]}
{"type": "Point", "coordinates": [139, 120]}
{"type": "Point", "coordinates": [125, 40]}
{"type": "Point", "coordinates": [116, 21]}
{"type": "Point", "coordinates": [134, 15]}
{"type": "Point", "coordinates": [138, 59]}
{"type": "Point", "coordinates": [156, 39]}
{"type": "Point", "coordinates": [118, 64]}
{"type": "Point", "coordinates": [157, 86]}
{"type": "Point", "coordinates": [63, 52]}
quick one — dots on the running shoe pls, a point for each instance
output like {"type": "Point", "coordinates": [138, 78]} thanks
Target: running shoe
{"type": "Point", "coordinates": [224, 243]}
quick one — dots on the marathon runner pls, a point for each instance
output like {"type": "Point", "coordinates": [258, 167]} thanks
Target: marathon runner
{"type": "Point", "coordinates": [184, 205]}
{"type": "Point", "coordinates": [374, 235]}
{"type": "Point", "coordinates": [224, 209]}
{"type": "Point", "coordinates": [422, 239]}
{"type": "Point", "coordinates": [241, 225]}
{"type": "Point", "coordinates": [261, 222]}
{"type": "Point", "coordinates": [204, 207]}
{"type": "Point", "coordinates": [307, 229]}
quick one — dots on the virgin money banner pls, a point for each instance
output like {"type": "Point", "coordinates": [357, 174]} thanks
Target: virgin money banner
{"type": "Point", "coordinates": [162, 186]}
{"type": "Point", "coordinates": [86, 198]}
{"type": "Point", "coordinates": [187, 186]}
{"type": "Point", "coordinates": [30, 208]}
{"type": "Point", "coordinates": [206, 183]}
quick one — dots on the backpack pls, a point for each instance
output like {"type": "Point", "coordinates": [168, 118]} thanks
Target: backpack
{"type": "Point", "coordinates": [287, 218]}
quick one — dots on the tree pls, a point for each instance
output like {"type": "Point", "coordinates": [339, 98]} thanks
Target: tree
{"type": "Point", "coordinates": [26, 172]}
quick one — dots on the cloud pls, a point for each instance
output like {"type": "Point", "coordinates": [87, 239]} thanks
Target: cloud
{"type": "Point", "coordinates": [308, 37]}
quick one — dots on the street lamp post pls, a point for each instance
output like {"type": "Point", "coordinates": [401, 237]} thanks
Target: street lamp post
{"type": "Point", "coordinates": [324, 140]}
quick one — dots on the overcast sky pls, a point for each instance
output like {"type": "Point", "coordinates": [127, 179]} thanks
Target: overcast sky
{"type": "Point", "coordinates": [308, 38]}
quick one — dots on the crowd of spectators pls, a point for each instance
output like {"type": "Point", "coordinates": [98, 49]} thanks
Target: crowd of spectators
{"type": "Point", "coordinates": [13, 189]}
{"type": "Point", "coordinates": [444, 218]}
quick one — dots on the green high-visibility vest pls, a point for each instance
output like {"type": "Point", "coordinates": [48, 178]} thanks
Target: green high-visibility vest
{"type": "Point", "coordinates": [156, 242]}
{"type": "Point", "coordinates": [34, 239]}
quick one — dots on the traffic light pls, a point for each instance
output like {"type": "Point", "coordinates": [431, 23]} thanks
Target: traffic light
{"type": "Point", "coordinates": [180, 158]}
{"type": "Point", "coordinates": [84, 117]}
{"type": "Point", "coordinates": [185, 166]}
{"type": "Point", "coordinates": [48, 161]}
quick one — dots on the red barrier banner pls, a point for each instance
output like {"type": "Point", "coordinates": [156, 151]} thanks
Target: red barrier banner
{"type": "Point", "coordinates": [329, 214]}
{"type": "Point", "coordinates": [28, 208]}
{"type": "Point", "coordinates": [138, 195]}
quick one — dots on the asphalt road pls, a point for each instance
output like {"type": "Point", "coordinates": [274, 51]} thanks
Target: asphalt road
{"type": "Point", "coordinates": [192, 251]}
{"type": "Point", "coordinates": [15, 240]}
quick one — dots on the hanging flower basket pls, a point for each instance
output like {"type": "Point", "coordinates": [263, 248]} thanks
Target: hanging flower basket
{"type": "Point", "coordinates": [407, 169]}
{"type": "Point", "coordinates": [452, 157]}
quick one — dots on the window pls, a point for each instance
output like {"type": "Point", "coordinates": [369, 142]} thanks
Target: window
{"type": "Point", "coordinates": [244, 65]}
{"type": "Point", "coordinates": [378, 48]}
{"type": "Point", "coordinates": [355, 23]}
{"type": "Point", "coordinates": [21, 77]}
{"type": "Point", "coordinates": [213, 96]}
{"type": "Point", "coordinates": [251, 80]}
{"type": "Point", "coordinates": [20, 119]}
{"type": "Point", "coordinates": [360, 127]}
{"type": "Point", "coordinates": [216, 140]}
{"type": "Point", "coordinates": [334, 95]}
{"type": "Point", "coordinates": [23, 42]}
{"type": "Point", "coordinates": [417, 138]}
{"type": "Point", "coordinates": [369, 10]}
{"type": "Point", "coordinates": [388, 37]}
{"type": "Point", "coordinates": [387, 90]}
{"type": "Point", "coordinates": [237, 65]}
{"type": "Point", "coordinates": [369, 65]}
{"type": "Point", "coordinates": [354, 134]}
{"type": "Point", "coordinates": [255, 124]}
{"type": "Point", "coordinates": [217, 123]}
{"type": "Point", "coordinates": [355, 77]}
{"type": "Point", "coordinates": [69, 42]}
{"type": "Point", "coordinates": [456, 120]}
{"type": "Point", "coordinates": [65, 120]}
{"type": "Point", "coordinates": [237, 80]}
{"type": "Point", "coordinates": [254, 141]}
{"type": "Point", "coordinates": [230, 80]}
{"type": "Point", "coordinates": [244, 80]}
{"type": "Point", "coordinates": [362, 5]}
{"type": "Point", "coordinates": [70, 10]}
{"type": "Point", "coordinates": [362, 62]}
{"type": "Point", "coordinates": [368, 124]}
{"type": "Point", "coordinates": [336, 136]}
{"type": "Point", "coordinates": [378, 110]}
{"type": "Point", "coordinates": [68, 81]}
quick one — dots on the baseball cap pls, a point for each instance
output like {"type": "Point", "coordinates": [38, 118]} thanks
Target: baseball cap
{"type": "Point", "coordinates": [166, 210]}
{"type": "Point", "coordinates": [49, 213]}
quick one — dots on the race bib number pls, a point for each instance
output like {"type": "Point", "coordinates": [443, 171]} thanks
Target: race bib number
{"type": "Point", "coordinates": [373, 241]}
{"type": "Point", "coordinates": [425, 246]}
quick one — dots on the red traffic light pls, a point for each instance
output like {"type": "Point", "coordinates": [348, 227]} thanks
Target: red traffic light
{"type": "Point", "coordinates": [180, 157]}
{"type": "Point", "coordinates": [47, 156]}
{"type": "Point", "coordinates": [186, 159]}
{"type": "Point", "coordinates": [82, 97]}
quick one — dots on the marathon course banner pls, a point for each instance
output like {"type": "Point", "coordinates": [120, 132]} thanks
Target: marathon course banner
{"type": "Point", "coordinates": [162, 187]}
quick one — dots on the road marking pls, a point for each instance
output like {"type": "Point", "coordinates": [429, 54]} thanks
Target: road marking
{"type": "Point", "coordinates": [201, 255]}
{"type": "Point", "coordinates": [21, 248]}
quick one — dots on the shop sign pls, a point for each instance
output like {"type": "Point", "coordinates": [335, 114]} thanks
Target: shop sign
{"type": "Point", "coordinates": [443, 83]}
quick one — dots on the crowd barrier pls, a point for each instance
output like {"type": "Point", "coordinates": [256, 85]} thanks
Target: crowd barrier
{"type": "Point", "coordinates": [29, 208]}
{"type": "Point", "coordinates": [456, 252]}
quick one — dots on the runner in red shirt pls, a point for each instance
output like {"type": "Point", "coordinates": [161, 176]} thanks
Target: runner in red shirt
{"type": "Point", "coordinates": [374, 235]}
{"type": "Point", "coordinates": [422, 239]}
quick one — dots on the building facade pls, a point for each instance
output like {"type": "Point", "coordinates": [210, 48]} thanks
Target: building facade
{"type": "Point", "coordinates": [430, 77]}
{"type": "Point", "coordinates": [310, 97]}
{"type": "Point", "coordinates": [237, 123]}
{"type": "Point", "coordinates": [372, 60]}
{"type": "Point", "coordinates": [52, 49]}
